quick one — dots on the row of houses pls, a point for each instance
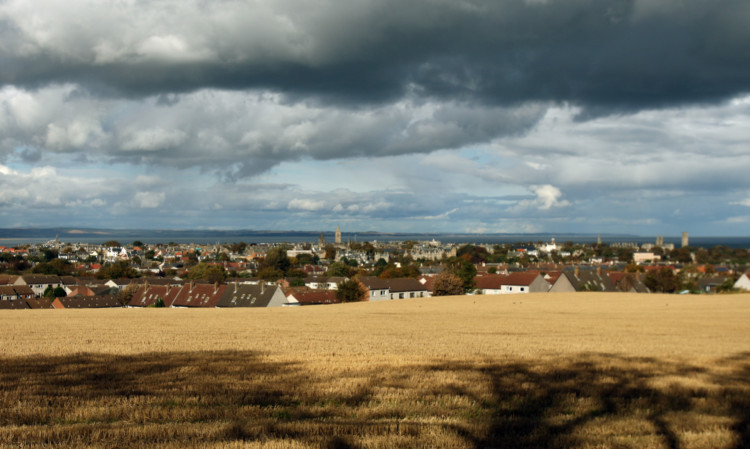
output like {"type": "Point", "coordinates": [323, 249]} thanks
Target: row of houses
{"type": "Point", "coordinates": [212, 295]}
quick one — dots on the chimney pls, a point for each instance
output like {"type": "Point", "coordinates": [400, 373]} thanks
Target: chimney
{"type": "Point", "coordinates": [191, 285]}
{"type": "Point", "coordinates": [599, 270]}
{"type": "Point", "coordinates": [262, 287]}
{"type": "Point", "coordinates": [576, 271]}
{"type": "Point", "coordinates": [216, 286]}
{"type": "Point", "coordinates": [236, 283]}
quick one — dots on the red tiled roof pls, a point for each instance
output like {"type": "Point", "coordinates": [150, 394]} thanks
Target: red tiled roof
{"type": "Point", "coordinates": [311, 297]}
{"type": "Point", "coordinates": [201, 295]}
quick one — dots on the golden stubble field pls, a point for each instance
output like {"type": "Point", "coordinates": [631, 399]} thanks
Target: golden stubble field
{"type": "Point", "coordinates": [548, 370]}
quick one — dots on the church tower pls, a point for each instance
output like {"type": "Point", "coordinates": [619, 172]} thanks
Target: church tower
{"type": "Point", "coordinates": [338, 236]}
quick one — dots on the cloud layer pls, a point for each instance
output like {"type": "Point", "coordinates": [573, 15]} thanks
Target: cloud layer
{"type": "Point", "coordinates": [514, 115]}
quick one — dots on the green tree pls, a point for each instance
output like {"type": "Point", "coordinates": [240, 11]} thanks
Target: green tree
{"type": "Point", "coordinates": [57, 267]}
{"type": "Point", "coordinates": [466, 271]}
{"type": "Point", "coordinates": [297, 282]}
{"type": "Point", "coordinates": [112, 244]}
{"type": "Point", "coordinates": [447, 284]}
{"type": "Point", "coordinates": [340, 269]}
{"type": "Point", "coordinates": [277, 259]}
{"type": "Point", "coordinates": [59, 292]}
{"type": "Point", "coordinates": [270, 274]}
{"type": "Point", "coordinates": [351, 291]}
{"type": "Point", "coordinates": [211, 273]}
{"type": "Point", "coordinates": [380, 265]}
{"type": "Point", "coordinates": [475, 254]}
{"type": "Point", "coordinates": [726, 286]}
{"type": "Point", "coordinates": [117, 270]}
{"type": "Point", "coordinates": [138, 243]}
{"type": "Point", "coordinates": [306, 259]}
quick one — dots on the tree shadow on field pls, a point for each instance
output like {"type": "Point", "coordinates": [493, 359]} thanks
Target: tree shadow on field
{"type": "Point", "coordinates": [198, 399]}
{"type": "Point", "coordinates": [536, 405]}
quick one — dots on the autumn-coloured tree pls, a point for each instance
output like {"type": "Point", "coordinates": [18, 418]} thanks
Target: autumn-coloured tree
{"type": "Point", "coordinates": [447, 284]}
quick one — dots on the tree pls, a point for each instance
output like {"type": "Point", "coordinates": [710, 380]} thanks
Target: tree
{"type": "Point", "coordinates": [473, 253]}
{"type": "Point", "coordinates": [126, 294]}
{"type": "Point", "coordinates": [662, 280]}
{"type": "Point", "coordinates": [297, 282]}
{"type": "Point", "coordinates": [138, 243]}
{"type": "Point", "coordinates": [112, 244]}
{"type": "Point", "coordinates": [117, 270]}
{"type": "Point", "coordinates": [277, 259]}
{"type": "Point", "coordinates": [206, 272]}
{"type": "Point", "coordinates": [306, 259]}
{"type": "Point", "coordinates": [726, 286]}
{"type": "Point", "coordinates": [466, 271]}
{"type": "Point", "coordinates": [270, 274]}
{"type": "Point", "coordinates": [57, 267]}
{"type": "Point", "coordinates": [340, 269]}
{"type": "Point", "coordinates": [330, 252]}
{"type": "Point", "coordinates": [447, 284]}
{"type": "Point", "coordinates": [351, 291]}
{"type": "Point", "coordinates": [238, 247]}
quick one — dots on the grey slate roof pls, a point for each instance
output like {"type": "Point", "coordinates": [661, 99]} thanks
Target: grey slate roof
{"type": "Point", "coordinates": [587, 280]}
{"type": "Point", "coordinates": [247, 295]}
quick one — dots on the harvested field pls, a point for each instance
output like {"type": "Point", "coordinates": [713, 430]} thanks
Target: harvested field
{"type": "Point", "coordinates": [550, 370]}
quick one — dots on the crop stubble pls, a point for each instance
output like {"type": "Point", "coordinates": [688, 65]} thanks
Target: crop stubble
{"type": "Point", "coordinates": [555, 370]}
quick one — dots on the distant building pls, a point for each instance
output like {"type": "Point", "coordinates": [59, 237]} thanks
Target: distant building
{"type": "Point", "coordinates": [338, 236]}
{"type": "Point", "coordinates": [641, 257]}
{"type": "Point", "coordinates": [685, 240]}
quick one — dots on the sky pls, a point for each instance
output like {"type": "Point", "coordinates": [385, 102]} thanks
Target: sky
{"type": "Point", "coordinates": [583, 116]}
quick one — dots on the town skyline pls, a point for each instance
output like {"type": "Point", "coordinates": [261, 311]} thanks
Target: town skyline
{"type": "Point", "coordinates": [520, 116]}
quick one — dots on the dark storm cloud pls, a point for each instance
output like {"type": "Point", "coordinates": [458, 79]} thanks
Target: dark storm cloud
{"type": "Point", "coordinates": [604, 54]}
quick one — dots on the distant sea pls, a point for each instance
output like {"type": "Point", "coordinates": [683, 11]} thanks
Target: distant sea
{"type": "Point", "coordinates": [20, 236]}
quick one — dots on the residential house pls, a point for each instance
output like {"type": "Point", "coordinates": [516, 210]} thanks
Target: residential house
{"type": "Point", "coordinates": [395, 288]}
{"type": "Point", "coordinates": [711, 284]}
{"type": "Point", "coordinates": [199, 295]}
{"type": "Point", "coordinates": [513, 283]}
{"type": "Point", "coordinates": [628, 282]}
{"type": "Point", "coordinates": [86, 302]}
{"type": "Point", "coordinates": [307, 297]}
{"type": "Point", "coordinates": [39, 303]}
{"type": "Point", "coordinates": [39, 282]}
{"type": "Point", "coordinates": [402, 288]}
{"type": "Point", "coordinates": [377, 289]}
{"type": "Point", "coordinates": [582, 281]}
{"type": "Point", "coordinates": [743, 283]}
{"type": "Point", "coordinates": [324, 283]}
{"type": "Point", "coordinates": [147, 295]}
{"type": "Point", "coordinates": [15, 292]}
{"type": "Point", "coordinates": [120, 284]}
{"type": "Point", "coordinates": [248, 295]}
{"type": "Point", "coordinates": [13, 305]}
